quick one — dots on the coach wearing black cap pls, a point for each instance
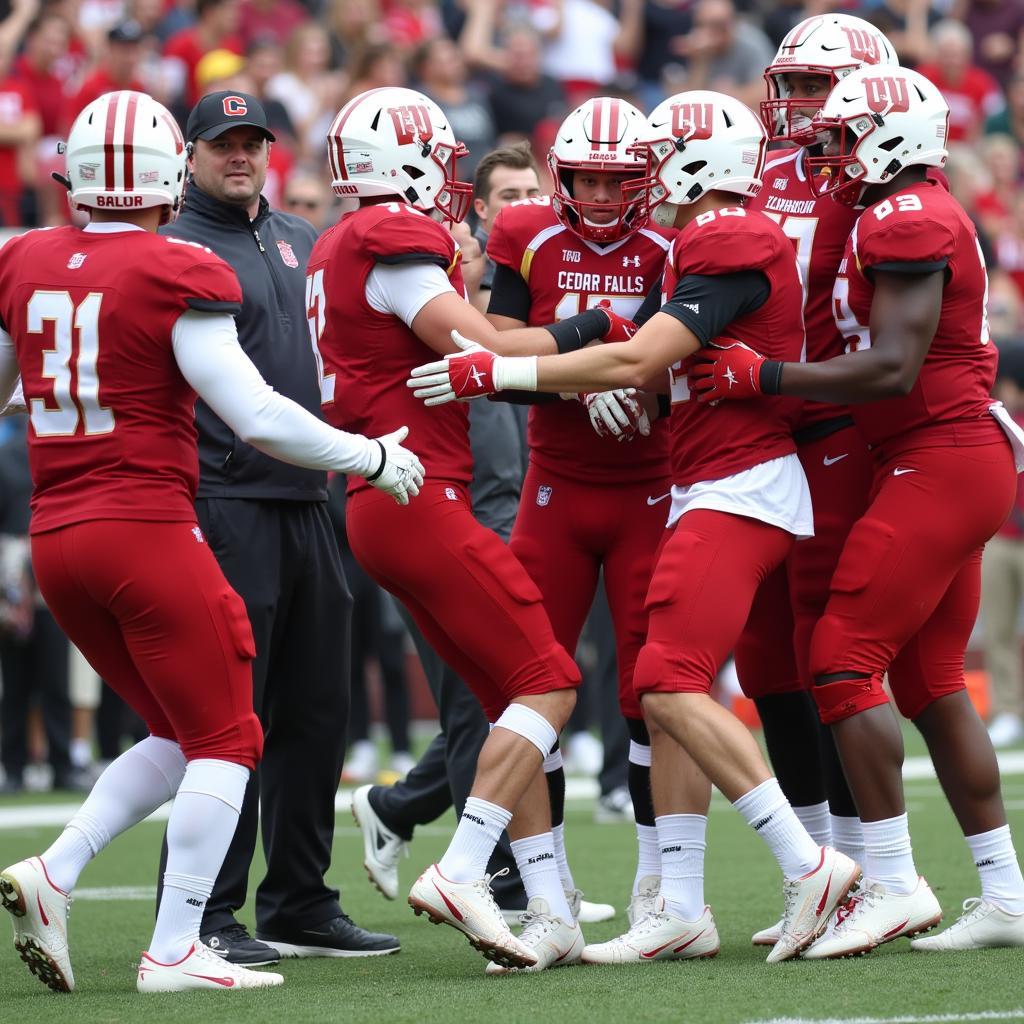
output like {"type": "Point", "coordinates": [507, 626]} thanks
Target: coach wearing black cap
{"type": "Point", "coordinates": [267, 524]}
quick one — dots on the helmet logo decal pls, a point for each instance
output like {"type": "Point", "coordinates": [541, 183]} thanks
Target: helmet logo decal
{"type": "Point", "coordinates": [863, 46]}
{"type": "Point", "coordinates": [692, 120]}
{"type": "Point", "coordinates": [887, 94]}
{"type": "Point", "coordinates": [234, 106]}
{"type": "Point", "coordinates": [412, 123]}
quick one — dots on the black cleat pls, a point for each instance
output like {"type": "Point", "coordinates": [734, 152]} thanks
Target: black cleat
{"type": "Point", "coordinates": [340, 936]}
{"type": "Point", "coordinates": [234, 944]}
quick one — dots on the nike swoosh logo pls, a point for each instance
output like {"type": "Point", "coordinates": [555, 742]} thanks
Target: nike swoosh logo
{"type": "Point", "coordinates": [661, 497]}
{"type": "Point", "coordinates": [448, 903]}
{"type": "Point", "coordinates": [898, 471]}
{"type": "Point", "coordinates": [824, 895]}
{"type": "Point", "coordinates": [838, 458]}
{"type": "Point", "coordinates": [679, 949]}
{"type": "Point", "coordinates": [42, 913]}
{"type": "Point", "coordinates": [655, 952]}
{"type": "Point", "coordinates": [226, 982]}
{"type": "Point", "coordinates": [897, 929]}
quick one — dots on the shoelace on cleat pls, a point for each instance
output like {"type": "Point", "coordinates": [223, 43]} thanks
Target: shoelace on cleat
{"type": "Point", "coordinates": [484, 885]}
{"type": "Point", "coordinates": [535, 927]}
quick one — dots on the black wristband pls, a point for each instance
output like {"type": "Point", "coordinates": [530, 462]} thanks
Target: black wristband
{"type": "Point", "coordinates": [383, 462]}
{"type": "Point", "coordinates": [664, 407]}
{"type": "Point", "coordinates": [770, 377]}
{"type": "Point", "coordinates": [576, 331]}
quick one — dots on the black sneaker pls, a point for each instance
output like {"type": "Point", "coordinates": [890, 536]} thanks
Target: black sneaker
{"type": "Point", "coordinates": [338, 937]}
{"type": "Point", "coordinates": [237, 946]}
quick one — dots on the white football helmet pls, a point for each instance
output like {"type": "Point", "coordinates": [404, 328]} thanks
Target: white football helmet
{"type": "Point", "coordinates": [597, 136]}
{"type": "Point", "coordinates": [697, 142]}
{"type": "Point", "coordinates": [125, 152]}
{"type": "Point", "coordinates": [397, 142]}
{"type": "Point", "coordinates": [832, 45]}
{"type": "Point", "coordinates": [881, 120]}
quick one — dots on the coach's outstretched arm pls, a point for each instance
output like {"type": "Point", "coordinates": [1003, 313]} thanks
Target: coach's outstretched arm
{"type": "Point", "coordinates": [207, 352]}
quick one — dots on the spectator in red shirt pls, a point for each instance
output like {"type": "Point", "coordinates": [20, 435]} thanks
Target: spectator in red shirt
{"type": "Point", "coordinates": [20, 128]}
{"type": "Point", "coordinates": [216, 28]}
{"type": "Point", "coordinates": [46, 44]}
{"type": "Point", "coordinates": [270, 19]}
{"type": "Point", "coordinates": [998, 30]}
{"type": "Point", "coordinates": [972, 94]}
{"type": "Point", "coordinates": [119, 69]}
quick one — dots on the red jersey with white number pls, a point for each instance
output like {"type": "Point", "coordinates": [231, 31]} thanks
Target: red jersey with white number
{"type": "Point", "coordinates": [710, 442]}
{"type": "Point", "coordinates": [567, 275]}
{"type": "Point", "coordinates": [367, 355]}
{"type": "Point", "coordinates": [818, 227]}
{"type": "Point", "coordinates": [112, 420]}
{"type": "Point", "coordinates": [925, 226]}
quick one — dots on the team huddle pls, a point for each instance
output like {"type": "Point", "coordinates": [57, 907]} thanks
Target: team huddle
{"type": "Point", "coordinates": [759, 385]}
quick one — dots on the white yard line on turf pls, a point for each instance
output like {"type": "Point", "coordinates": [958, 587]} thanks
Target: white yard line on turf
{"type": "Point", "coordinates": [931, 1018]}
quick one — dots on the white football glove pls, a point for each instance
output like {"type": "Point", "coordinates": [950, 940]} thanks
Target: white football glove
{"type": "Point", "coordinates": [618, 413]}
{"type": "Point", "coordinates": [17, 404]}
{"type": "Point", "coordinates": [401, 472]}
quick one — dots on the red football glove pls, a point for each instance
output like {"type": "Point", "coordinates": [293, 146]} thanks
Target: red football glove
{"type": "Point", "coordinates": [619, 327]}
{"type": "Point", "coordinates": [472, 373]}
{"type": "Point", "coordinates": [727, 370]}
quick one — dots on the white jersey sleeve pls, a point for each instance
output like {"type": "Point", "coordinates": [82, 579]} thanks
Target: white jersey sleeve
{"type": "Point", "coordinates": [403, 289]}
{"type": "Point", "coordinates": [11, 398]}
{"type": "Point", "coordinates": [211, 360]}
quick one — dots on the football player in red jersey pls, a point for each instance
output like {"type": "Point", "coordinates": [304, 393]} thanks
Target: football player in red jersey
{"type": "Point", "coordinates": [772, 654]}
{"type": "Point", "coordinates": [739, 495]}
{"type": "Point", "coordinates": [385, 289]}
{"type": "Point", "coordinates": [910, 301]}
{"type": "Point", "coordinates": [590, 504]}
{"type": "Point", "coordinates": [115, 330]}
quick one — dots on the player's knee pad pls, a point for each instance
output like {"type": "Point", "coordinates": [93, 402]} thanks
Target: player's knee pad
{"type": "Point", "coordinates": [841, 695]}
{"type": "Point", "coordinates": [529, 724]}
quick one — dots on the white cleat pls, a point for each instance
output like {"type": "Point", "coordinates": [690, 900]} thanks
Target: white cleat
{"type": "Point", "coordinates": [810, 900]}
{"type": "Point", "coordinates": [381, 847]}
{"type": "Point", "coordinates": [470, 907]}
{"type": "Point", "coordinates": [872, 917]}
{"type": "Point", "coordinates": [767, 936]}
{"type": "Point", "coordinates": [982, 925]}
{"type": "Point", "coordinates": [40, 914]}
{"type": "Point", "coordinates": [200, 968]}
{"type": "Point", "coordinates": [554, 942]}
{"type": "Point", "coordinates": [658, 936]}
{"type": "Point", "coordinates": [645, 901]}
{"type": "Point", "coordinates": [586, 912]}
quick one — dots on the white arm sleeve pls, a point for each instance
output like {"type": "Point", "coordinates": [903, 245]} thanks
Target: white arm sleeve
{"type": "Point", "coordinates": [211, 360]}
{"type": "Point", "coordinates": [405, 288]}
{"type": "Point", "coordinates": [10, 385]}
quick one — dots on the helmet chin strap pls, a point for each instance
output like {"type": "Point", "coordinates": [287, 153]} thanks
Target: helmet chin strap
{"type": "Point", "coordinates": [664, 214]}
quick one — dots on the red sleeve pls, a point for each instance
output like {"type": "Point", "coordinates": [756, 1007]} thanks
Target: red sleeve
{"type": "Point", "coordinates": [9, 260]}
{"type": "Point", "coordinates": [209, 285]}
{"type": "Point", "coordinates": [729, 244]}
{"type": "Point", "coordinates": [501, 246]}
{"type": "Point", "coordinates": [907, 238]}
{"type": "Point", "coordinates": [409, 237]}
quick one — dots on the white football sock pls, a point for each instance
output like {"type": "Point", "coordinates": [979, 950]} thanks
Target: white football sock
{"type": "Point", "coordinates": [848, 837]}
{"type": "Point", "coordinates": [768, 813]}
{"type": "Point", "coordinates": [1001, 881]}
{"type": "Point", "coordinates": [130, 789]}
{"type": "Point", "coordinates": [818, 822]}
{"type": "Point", "coordinates": [888, 857]}
{"type": "Point", "coordinates": [478, 832]}
{"type": "Point", "coordinates": [201, 827]}
{"type": "Point", "coordinates": [564, 872]}
{"type": "Point", "coordinates": [648, 860]}
{"type": "Point", "coordinates": [681, 839]}
{"type": "Point", "coordinates": [538, 868]}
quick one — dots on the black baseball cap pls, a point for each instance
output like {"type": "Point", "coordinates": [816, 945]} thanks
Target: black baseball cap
{"type": "Point", "coordinates": [126, 32]}
{"type": "Point", "coordinates": [219, 112]}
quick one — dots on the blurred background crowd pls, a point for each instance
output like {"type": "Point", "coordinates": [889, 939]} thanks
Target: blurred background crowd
{"type": "Point", "coordinates": [504, 71]}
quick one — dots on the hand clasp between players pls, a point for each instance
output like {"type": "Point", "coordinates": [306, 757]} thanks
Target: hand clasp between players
{"type": "Point", "coordinates": [727, 370]}
{"type": "Point", "coordinates": [617, 413]}
{"type": "Point", "coordinates": [401, 473]}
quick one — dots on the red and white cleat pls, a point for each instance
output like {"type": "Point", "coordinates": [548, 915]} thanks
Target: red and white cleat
{"type": "Point", "coordinates": [40, 914]}
{"type": "Point", "coordinates": [658, 936]}
{"type": "Point", "coordinates": [872, 917]}
{"type": "Point", "coordinates": [982, 925]}
{"type": "Point", "coordinates": [810, 900]}
{"type": "Point", "coordinates": [470, 907]}
{"type": "Point", "coordinates": [767, 936]}
{"type": "Point", "coordinates": [555, 942]}
{"type": "Point", "coordinates": [201, 968]}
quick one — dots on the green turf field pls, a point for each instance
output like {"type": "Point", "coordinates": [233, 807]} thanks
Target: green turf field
{"type": "Point", "coordinates": [437, 977]}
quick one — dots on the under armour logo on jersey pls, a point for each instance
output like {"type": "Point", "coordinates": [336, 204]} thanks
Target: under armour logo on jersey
{"type": "Point", "coordinates": [198, 534]}
{"type": "Point", "coordinates": [543, 495]}
{"type": "Point", "coordinates": [631, 261]}
{"type": "Point", "coordinates": [76, 261]}
{"type": "Point", "coordinates": [287, 254]}
{"type": "Point", "coordinates": [449, 493]}
{"type": "Point", "coordinates": [780, 184]}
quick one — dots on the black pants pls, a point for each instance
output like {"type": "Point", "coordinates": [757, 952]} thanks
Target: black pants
{"type": "Point", "coordinates": [444, 774]}
{"type": "Point", "coordinates": [282, 558]}
{"type": "Point", "coordinates": [36, 667]}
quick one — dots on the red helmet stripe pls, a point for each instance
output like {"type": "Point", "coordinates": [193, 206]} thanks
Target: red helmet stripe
{"type": "Point", "coordinates": [798, 33]}
{"type": "Point", "coordinates": [129, 142]}
{"type": "Point", "coordinates": [333, 136]}
{"type": "Point", "coordinates": [595, 126]}
{"type": "Point", "coordinates": [108, 142]}
{"type": "Point", "coordinates": [613, 123]}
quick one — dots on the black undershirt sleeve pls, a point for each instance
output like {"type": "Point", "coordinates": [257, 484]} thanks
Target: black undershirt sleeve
{"type": "Point", "coordinates": [397, 258]}
{"type": "Point", "coordinates": [650, 305]}
{"type": "Point", "coordinates": [510, 294]}
{"type": "Point", "coordinates": [707, 304]}
{"type": "Point", "coordinates": [920, 267]}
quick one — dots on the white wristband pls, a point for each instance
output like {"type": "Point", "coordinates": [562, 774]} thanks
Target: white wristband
{"type": "Point", "coordinates": [515, 373]}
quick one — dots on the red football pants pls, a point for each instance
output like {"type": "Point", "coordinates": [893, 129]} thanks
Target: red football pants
{"type": "Point", "coordinates": [566, 531]}
{"type": "Point", "coordinates": [905, 594]}
{"type": "Point", "coordinates": [705, 579]}
{"type": "Point", "coordinates": [473, 601]}
{"type": "Point", "coordinates": [773, 654]}
{"type": "Point", "coordinates": [148, 606]}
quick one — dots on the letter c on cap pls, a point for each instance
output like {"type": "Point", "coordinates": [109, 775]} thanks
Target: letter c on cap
{"type": "Point", "coordinates": [234, 106]}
